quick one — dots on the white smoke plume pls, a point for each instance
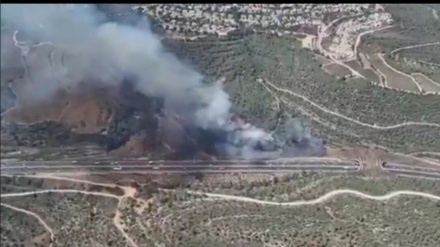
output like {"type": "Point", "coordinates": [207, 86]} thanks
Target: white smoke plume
{"type": "Point", "coordinates": [103, 52]}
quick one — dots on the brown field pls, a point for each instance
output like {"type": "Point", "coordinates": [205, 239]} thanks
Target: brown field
{"type": "Point", "coordinates": [87, 113]}
{"type": "Point", "coordinates": [371, 75]}
{"type": "Point", "coordinates": [364, 61]}
{"type": "Point", "coordinates": [368, 73]}
{"type": "Point", "coordinates": [432, 73]}
{"type": "Point", "coordinates": [394, 79]}
{"type": "Point", "coordinates": [326, 42]}
{"type": "Point", "coordinates": [313, 30]}
{"type": "Point", "coordinates": [336, 69]}
{"type": "Point", "coordinates": [323, 60]}
{"type": "Point", "coordinates": [427, 84]}
{"type": "Point", "coordinates": [355, 65]}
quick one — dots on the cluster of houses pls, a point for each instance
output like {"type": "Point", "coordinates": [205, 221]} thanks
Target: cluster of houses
{"type": "Point", "coordinates": [220, 19]}
{"type": "Point", "coordinates": [346, 33]}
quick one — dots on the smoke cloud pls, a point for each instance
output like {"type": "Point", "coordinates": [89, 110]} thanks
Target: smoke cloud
{"type": "Point", "coordinates": [96, 51]}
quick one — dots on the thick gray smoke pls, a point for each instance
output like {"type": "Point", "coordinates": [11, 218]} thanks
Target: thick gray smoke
{"type": "Point", "coordinates": [294, 131]}
{"type": "Point", "coordinates": [104, 52]}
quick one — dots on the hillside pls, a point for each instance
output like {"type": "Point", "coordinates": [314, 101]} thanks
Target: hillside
{"type": "Point", "coordinates": [263, 71]}
{"type": "Point", "coordinates": [220, 125]}
{"type": "Point", "coordinates": [67, 94]}
{"type": "Point", "coordinates": [270, 79]}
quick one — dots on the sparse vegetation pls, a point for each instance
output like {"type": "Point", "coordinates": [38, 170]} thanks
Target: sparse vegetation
{"type": "Point", "coordinates": [18, 229]}
{"type": "Point", "coordinates": [416, 21]}
{"type": "Point", "coordinates": [177, 218]}
{"type": "Point", "coordinates": [77, 220]}
{"type": "Point", "coordinates": [409, 66]}
{"type": "Point", "coordinates": [414, 24]}
{"type": "Point", "coordinates": [270, 79]}
{"type": "Point", "coordinates": [429, 54]}
{"type": "Point", "coordinates": [394, 79]}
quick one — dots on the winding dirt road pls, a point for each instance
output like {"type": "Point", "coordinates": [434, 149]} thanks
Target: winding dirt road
{"type": "Point", "coordinates": [414, 46]}
{"type": "Point", "coordinates": [373, 126]}
{"type": "Point", "coordinates": [359, 37]}
{"type": "Point", "coordinates": [323, 198]}
{"type": "Point", "coordinates": [130, 192]}
{"type": "Point", "coordinates": [32, 214]}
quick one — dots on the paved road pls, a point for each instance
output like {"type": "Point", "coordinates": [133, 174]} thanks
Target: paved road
{"type": "Point", "coordinates": [181, 169]}
{"type": "Point", "coordinates": [132, 166]}
{"type": "Point", "coordinates": [416, 174]}
{"type": "Point", "coordinates": [306, 160]}
{"type": "Point", "coordinates": [395, 166]}
{"type": "Point", "coordinates": [190, 166]}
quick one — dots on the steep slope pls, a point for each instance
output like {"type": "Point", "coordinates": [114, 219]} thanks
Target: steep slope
{"type": "Point", "coordinates": [119, 84]}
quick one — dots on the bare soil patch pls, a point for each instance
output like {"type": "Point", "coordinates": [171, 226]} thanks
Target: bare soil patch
{"type": "Point", "coordinates": [308, 29]}
{"type": "Point", "coordinates": [368, 73]}
{"type": "Point", "coordinates": [336, 69]}
{"type": "Point", "coordinates": [308, 41]}
{"type": "Point", "coordinates": [163, 181]}
{"type": "Point", "coordinates": [371, 75]}
{"type": "Point", "coordinates": [364, 61]}
{"type": "Point", "coordinates": [427, 84]}
{"type": "Point", "coordinates": [85, 113]}
{"type": "Point", "coordinates": [323, 60]}
{"type": "Point", "coordinates": [41, 240]}
{"type": "Point", "coordinates": [326, 43]}
{"type": "Point", "coordinates": [393, 78]}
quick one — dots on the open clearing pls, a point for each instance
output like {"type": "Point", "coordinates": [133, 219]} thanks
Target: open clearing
{"type": "Point", "coordinates": [427, 84]}
{"type": "Point", "coordinates": [336, 69]}
{"type": "Point", "coordinates": [308, 41]}
{"type": "Point", "coordinates": [371, 75]}
{"type": "Point", "coordinates": [393, 78]}
{"type": "Point", "coordinates": [368, 73]}
{"type": "Point", "coordinates": [323, 60]}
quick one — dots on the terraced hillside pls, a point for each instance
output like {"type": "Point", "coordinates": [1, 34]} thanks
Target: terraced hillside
{"type": "Point", "coordinates": [414, 25]}
{"type": "Point", "coordinates": [428, 53]}
{"type": "Point", "coordinates": [264, 72]}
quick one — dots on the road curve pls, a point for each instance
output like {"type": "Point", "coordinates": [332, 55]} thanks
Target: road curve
{"type": "Point", "coordinates": [414, 46]}
{"type": "Point", "coordinates": [36, 216]}
{"type": "Point", "coordinates": [373, 126]}
{"type": "Point", "coordinates": [321, 199]}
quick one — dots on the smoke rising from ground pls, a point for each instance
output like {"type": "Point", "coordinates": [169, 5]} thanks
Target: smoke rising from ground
{"type": "Point", "coordinates": [104, 53]}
